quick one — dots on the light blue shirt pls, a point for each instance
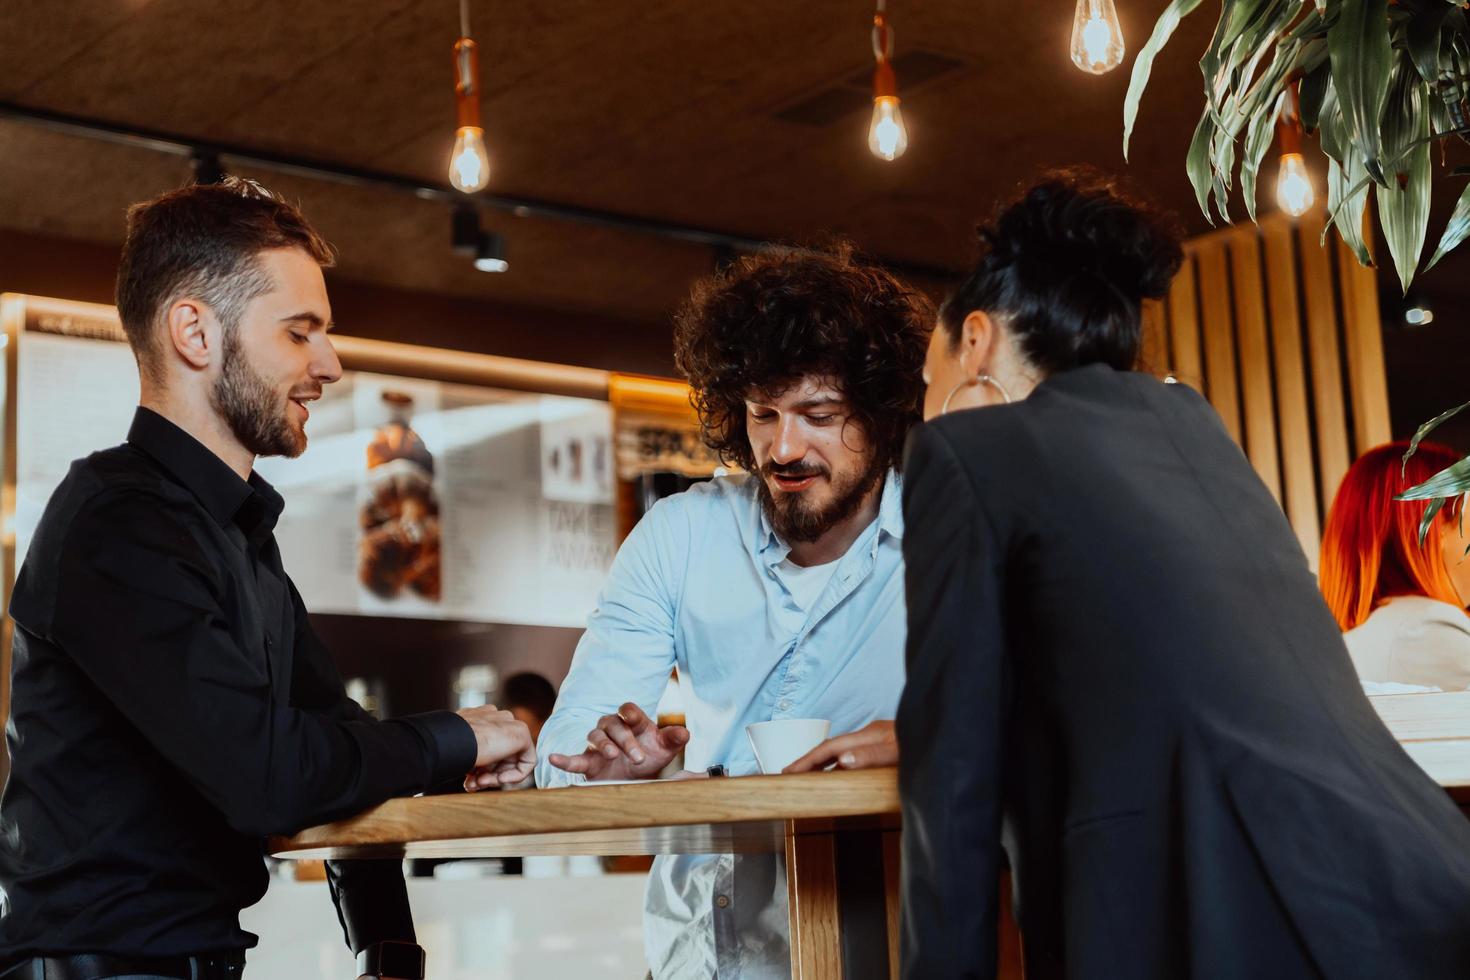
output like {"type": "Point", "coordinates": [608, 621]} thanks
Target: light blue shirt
{"type": "Point", "coordinates": [698, 584]}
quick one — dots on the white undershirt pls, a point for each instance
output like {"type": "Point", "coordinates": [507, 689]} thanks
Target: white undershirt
{"type": "Point", "coordinates": [805, 583]}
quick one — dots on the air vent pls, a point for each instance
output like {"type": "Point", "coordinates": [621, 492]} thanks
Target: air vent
{"type": "Point", "coordinates": [915, 67]}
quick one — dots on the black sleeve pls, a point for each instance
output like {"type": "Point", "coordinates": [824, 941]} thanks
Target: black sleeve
{"type": "Point", "coordinates": [951, 719]}
{"type": "Point", "coordinates": [370, 896]}
{"type": "Point", "coordinates": [141, 610]}
{"type": "Point", "coordinates": [372, 902]}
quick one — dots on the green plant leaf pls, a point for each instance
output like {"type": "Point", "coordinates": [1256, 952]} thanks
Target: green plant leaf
{"type": "Point", "coordinates": [1427, 428]}
{"type": "Point", "coordinates": [1330, 126]}
{"type": "Point", "coordinates": [1362, 185]}
{"type": "Point", "coordinates": [1316, 22]}
{"type": "Point", "coordinates": [1455, 231]}
{"type": "Point", "coordinates": [1403, 203]}
{"type": "Point", "coordinates": [1427, 521]}
{"type": "Point", "coordinates": [1439, 116]}
{"type": "Point", "coordinates": [1235, 83]}
{"type": "Point", "coordinates": [1143, 65]}
{"type": "Point", "coordinates": [1222, 166]}
{"type": "Point", "coordinates": [1448, 482]}
{"type": "Point", "coordinates": [1422, 35]}
{"type": "Point", "coordinates": [1257, 142]}
{"type": "Point", "coordinates": [1239, 14]}
{"type": "Point", "coordinates": [1197, 163]}
{"type": "Point", "coordinates": [1347, 197]}
{"type": "Point", "coordinates": [1211, 65]}
{"type": "Point", "coordinates": [1361, 59]}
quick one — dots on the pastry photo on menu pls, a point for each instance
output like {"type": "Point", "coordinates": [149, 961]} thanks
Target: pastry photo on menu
{"type": "Point", "coordinates": [399, 552]}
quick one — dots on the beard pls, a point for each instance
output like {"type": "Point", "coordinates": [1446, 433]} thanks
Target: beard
{"type": "Point", "coordinates": [251, 406]}
{"type": "Point", "coordinates": [795, 520]}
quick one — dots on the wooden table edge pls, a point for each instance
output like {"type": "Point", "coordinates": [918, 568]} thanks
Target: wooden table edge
{"type": "Point", "coordinates": [666, 803]}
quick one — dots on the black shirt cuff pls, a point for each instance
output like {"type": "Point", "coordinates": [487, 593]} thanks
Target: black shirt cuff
{"type": "Point", "coordinates": [450, 747]}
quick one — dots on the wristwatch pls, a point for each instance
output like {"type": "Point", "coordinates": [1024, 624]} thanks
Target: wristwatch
{"type": "Point", "coordinates": [400, 961]}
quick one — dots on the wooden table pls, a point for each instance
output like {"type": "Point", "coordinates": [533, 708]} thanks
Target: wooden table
{"type": "Point", "coordinates": [1435, 730]}
{"type": "Point", "coordinates": [839, 831]}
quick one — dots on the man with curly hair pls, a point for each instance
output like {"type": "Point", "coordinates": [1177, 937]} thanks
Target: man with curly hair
{"type": "Point", "coordinates": [778, 593]}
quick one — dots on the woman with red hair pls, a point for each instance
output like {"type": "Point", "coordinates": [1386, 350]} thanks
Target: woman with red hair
{"type": "Point", "coordinates": [1401, 605]}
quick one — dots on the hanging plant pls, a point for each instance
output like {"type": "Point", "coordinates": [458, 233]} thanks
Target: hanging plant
{"type": "Point", "coordinates": [1378, 81]}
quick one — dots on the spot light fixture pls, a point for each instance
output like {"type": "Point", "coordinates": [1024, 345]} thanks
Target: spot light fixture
{"type": "Point", "coordinates": [467, 238]}
{"type": "Point", "coordinates": [207, 168]}
{"type": "Point", "coordinates": [490, 255]}
{"type": "Point", "coordinates": [1417, 311]}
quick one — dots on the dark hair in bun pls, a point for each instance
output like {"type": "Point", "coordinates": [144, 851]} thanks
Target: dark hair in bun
{"type": "Point", "coordinates": [1067, 266]}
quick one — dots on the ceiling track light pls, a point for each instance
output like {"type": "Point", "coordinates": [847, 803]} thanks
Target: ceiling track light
{"type": "Point", "coordinates": [467, 238]}
{"type": "Point", "coordinates": [184, 146]}
{"type": "Point", "coordinates": [887, 135]}
{"type": "Point", "coordinates": [207, 168]}
{"type": "Point", "coordinates": [469, 163]}
{"type": "Point", "coordinates": [490, 256]}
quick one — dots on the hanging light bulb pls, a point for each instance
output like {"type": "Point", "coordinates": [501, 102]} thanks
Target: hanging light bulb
{"type": "Point", "coordinates": [1293, 186]}
{"type": "Point", "coordinates": [1293, 183]}
{"type": "Point", "coordinates": [469, 164]}
{"type": "Point", "coordinates": [887, 135]}
{"type": "Point", "coordinates": [1097, 37]}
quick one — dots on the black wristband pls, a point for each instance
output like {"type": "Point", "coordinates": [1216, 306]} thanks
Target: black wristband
{"type": "Point", "coordinates": [401, 961]}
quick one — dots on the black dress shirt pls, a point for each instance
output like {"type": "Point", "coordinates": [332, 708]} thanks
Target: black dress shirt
{"type": "Point", "coordinates": [171, 706]}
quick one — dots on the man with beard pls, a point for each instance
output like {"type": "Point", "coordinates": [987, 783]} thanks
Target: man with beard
{"type": "Point", "coordinates": [171, 705]}
{"type": "Point", "coordinates": [777, 594]}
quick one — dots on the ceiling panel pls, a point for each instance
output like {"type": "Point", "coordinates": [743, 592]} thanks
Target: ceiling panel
{"type": "Point", "coordinates": [666, 111]}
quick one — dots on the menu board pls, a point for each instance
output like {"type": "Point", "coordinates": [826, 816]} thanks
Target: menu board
{"type": "Point", "coordinates": [416, 498]}
{"type": "Point", "coordinates": [413, 498]}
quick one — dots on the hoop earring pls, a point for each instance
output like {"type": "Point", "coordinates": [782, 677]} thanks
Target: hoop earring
{"type": "Point", "coordinates": [983, 379]}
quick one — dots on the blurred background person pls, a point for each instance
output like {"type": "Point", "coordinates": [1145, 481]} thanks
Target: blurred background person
{"type": "Point", "coordinates": [530, 697]}
{"type": "Point", "coordinates": [1400, 604]}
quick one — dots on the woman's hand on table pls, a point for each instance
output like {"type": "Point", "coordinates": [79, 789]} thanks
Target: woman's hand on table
{"type": "Point", "coordinates": [627, 745]}
{"type": "Point", "coordinates": [869, 747]}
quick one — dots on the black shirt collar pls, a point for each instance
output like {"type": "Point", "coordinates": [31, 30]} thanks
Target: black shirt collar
{"type": "Point", "coordinates": [252, 504]}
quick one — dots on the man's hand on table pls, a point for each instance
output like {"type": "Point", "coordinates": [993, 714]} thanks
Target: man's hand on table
{"type": "Point", "coordinates": [867, 748]}
{"type": "Point", "coordinates": [627, 745]}
{"type": "Point", "coordinates": [504, 754]}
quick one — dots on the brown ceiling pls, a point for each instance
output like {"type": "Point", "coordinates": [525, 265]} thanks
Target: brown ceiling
{"type": "Point", "coordinates": [666, 109]}
{"type": "Point", "coordinates": [670, 110]}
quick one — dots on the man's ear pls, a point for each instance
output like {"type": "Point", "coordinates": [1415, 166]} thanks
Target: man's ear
{"type": "Point", "coordinates": [186, 327]}
{"type": "Point", "coordinates": [978, 337]}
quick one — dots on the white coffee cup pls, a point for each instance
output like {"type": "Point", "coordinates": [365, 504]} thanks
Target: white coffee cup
{"type": "Point", "coordinates": [779, 743]}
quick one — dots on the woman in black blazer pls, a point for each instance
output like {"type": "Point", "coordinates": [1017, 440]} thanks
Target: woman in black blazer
{"type": "Point", "coordinates": [1120, 668]}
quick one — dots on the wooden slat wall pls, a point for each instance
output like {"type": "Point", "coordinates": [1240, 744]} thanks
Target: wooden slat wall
{"type": "Point", "coordinates": [1282, 334]}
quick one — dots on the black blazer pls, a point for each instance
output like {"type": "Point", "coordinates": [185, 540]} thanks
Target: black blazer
{"type": "Point", "coordinates": [1121, 669]}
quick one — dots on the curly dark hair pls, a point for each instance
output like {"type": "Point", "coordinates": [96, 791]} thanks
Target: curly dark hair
{"type": "Point", "coordinates": [768, 320]}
